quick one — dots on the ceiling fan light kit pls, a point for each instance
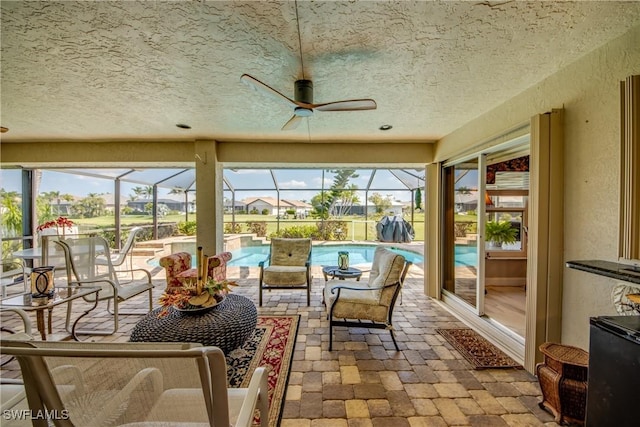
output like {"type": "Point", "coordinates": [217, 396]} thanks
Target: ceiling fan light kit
{"type": "Point", "coordinates": [302, 103]}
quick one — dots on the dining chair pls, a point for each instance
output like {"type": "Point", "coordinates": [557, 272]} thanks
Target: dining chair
{"type": "Point", "coordinates": [82, 270]}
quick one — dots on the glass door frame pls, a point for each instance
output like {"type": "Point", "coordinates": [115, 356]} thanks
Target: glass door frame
{"type": "Point", "coordinates": [449, 236]}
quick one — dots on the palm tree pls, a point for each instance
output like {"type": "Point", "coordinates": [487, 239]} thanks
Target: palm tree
{"type": "Point", "coordinates": [12, 215]}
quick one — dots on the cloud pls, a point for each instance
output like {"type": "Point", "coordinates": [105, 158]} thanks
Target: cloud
{"type": "Point", "coordinates": [293, 184]}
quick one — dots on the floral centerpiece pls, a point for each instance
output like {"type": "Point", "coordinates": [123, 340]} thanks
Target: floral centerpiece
{"type": "Point", "coordinates": [195, 296]}
{"type": "Point", "coordinates": [189, 297]}
{"type": "Point", "coordinates": [60, 223]}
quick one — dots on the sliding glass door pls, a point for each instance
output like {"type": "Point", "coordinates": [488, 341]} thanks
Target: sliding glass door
{"type": "Point", "coordinates": [464, 202]}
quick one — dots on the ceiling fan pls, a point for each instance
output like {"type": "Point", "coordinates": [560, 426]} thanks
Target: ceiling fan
{"type": "Point", "coordinates": [302, 102]}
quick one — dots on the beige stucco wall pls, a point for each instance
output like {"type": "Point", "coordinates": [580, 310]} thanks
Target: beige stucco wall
{"type": "Point", "coordinates": [588, 90]}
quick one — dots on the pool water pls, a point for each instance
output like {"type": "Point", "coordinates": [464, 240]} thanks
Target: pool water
{"type": "Point", "coordinates": [250, 256]}
{"type": "Point", "coordinates": [466, 256]}
{"type": "Point", "coordinates": [320, 255]}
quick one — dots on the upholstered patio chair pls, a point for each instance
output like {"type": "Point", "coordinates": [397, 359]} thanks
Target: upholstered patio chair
{"type": "Point", "coordinates": [135, 384]}
{"type": "Point", "coordinates": [368, 305]}
{"type": "Point", "coordinates": [288, 266]}
{"type": "Point", "coordinates": [178, 267]}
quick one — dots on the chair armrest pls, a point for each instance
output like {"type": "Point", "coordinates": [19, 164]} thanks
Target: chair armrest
{"type": "Point", "coordinates": [25, 318]}
{"type": "Point", "coordinates": [257, 390]}
{"type": "Point", "coordinates": [361, 288]}
{"type": "Point", "coordinates": [265, 261]}
{"type": "Point", "coordinates": [133, 270]}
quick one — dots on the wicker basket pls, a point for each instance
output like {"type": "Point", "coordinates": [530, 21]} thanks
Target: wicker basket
{"type": "Point", "coordinates": [563, 381]}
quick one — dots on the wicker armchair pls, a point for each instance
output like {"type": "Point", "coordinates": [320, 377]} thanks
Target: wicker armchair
{"type": "Point", "coordinates": [178, 267]}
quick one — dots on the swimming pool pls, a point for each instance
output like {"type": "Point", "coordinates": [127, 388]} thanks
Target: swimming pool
{"type": "Point", "coordinates": [250, 256]}
{"type": "Point", "coordinates": [466, 256]}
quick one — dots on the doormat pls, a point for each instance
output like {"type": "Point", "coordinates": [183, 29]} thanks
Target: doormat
{"type": "Point", "coordinates": [271, 346]}
{"type": "Point", "coordinates": [477, 350]}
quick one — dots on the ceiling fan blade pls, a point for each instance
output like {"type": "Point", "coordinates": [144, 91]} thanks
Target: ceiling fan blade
{"type": "Point", "coordinates": [293, 123]}
{"type": "Point", "coordinates": [349, 105]}
{"type": "Point", "coordinates": [256, 84]}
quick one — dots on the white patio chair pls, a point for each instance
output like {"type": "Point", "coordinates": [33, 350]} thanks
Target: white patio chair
{"type": "Point", "coordinates": [82, 270]}
{"type": "Point", "coordinates": [14, 276]}
{"type": "Point", "coordinates": [136, 384]}
{"type": "Point", "coordinates": [125, 254]}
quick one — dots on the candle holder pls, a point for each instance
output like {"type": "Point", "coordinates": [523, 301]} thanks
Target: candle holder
{"type": "Point", "coordinates": [42, 284]}
{"type": "Point", "coordinates": [343, 260]}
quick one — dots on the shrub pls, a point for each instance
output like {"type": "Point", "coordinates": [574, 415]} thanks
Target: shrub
{"type": "Point", "coordinates": [332, 230]}
{"type": "Point", "coordinates": [231, 228]}
{"type": "Point", "coordinates": [187, 227]}
{"type": "Point", "coordinates": [259, 228]}
{"type": "Point", "coordinates": [297, 231]}
{"type": "Point", "coordinates": [265, 211]}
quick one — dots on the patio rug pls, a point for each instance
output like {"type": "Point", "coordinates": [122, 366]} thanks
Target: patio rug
{"type": "Point", "coordinates": [477, 350]}
{"type": "Point", "coordinates": [272, 346]}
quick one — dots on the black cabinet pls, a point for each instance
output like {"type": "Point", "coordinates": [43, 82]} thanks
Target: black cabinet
{"type": "Point", "coordinates": [613, 393]}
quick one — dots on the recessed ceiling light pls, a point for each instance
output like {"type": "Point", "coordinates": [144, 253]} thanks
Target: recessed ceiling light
{"type": "Point", "coordinates": [183, 126]}
{"type": "Point", "coordinates": [385, 127]}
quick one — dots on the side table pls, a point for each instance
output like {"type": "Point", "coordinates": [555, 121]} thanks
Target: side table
{"type": "Point", "coordinates": [227, 325]}
{"type": "Point", "coordinates": [334, 271]}
{"type": "Point", "coordinates": [563, 381]}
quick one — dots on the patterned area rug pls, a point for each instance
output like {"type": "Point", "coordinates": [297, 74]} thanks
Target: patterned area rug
{"type": "Point", "coordinates": [477, 350]}
{"type": "Point", "coordinates": [271, 346]}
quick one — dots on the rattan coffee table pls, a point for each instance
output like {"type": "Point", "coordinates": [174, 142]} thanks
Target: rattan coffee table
{"type": "Point", "coordinates": [227, 325]}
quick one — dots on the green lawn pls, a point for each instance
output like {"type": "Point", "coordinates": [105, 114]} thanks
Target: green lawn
{"type": "Point", "coordinates": [357, 229]}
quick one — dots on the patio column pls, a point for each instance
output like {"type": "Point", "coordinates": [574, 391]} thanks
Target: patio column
{"type": "Point", "coordinates": [209, 198]}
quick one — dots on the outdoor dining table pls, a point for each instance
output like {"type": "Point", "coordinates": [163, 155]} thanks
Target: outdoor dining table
{"type": "Point", "coordinates": [62, 295]}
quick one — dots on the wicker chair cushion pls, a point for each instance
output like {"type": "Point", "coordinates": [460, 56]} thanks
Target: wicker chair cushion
{"type": "Point", "coordinates": [290, 252]}
{"type": "Point", "coordinates": [284, 275]}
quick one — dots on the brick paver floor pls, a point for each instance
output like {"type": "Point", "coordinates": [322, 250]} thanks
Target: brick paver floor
{"type": "Point", "coordinates": [365, 382]}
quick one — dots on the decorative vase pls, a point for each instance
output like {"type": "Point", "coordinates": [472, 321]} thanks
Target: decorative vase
{"type": "Point", "coordinates": [343, 260]}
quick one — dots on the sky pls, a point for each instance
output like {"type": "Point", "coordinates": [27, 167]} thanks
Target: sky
{"type": "Point", "coordinates": [297, 184]}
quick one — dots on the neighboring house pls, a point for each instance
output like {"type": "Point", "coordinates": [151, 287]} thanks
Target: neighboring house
{"type": "Point", "coordinates": [171, 204]}
{"type": "Point", "coordinates": [238, 206]}
{"type": "Point", "coordinates": [369, 209]}
{"type": "Point", "coordinates": [271, 205]}
{"type": "Point", "coordinates": [466, 202]}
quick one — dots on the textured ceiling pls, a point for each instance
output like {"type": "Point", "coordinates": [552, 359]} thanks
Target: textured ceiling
{"type": "Point", "coordinates": [133, 70]}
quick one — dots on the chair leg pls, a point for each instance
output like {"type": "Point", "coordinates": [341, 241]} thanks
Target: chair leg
{"type": "Point", "coordinates": [330, 335]}
{"type": "Point", "coordinates": [260, 295]}
{"type": "Point", "coordinates": [393, 338]}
